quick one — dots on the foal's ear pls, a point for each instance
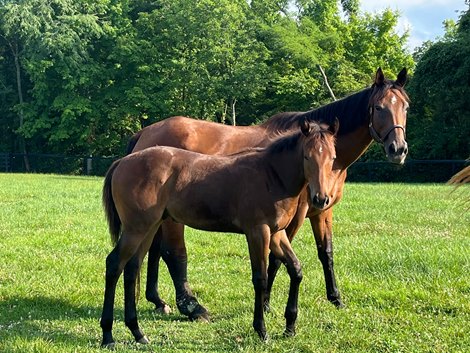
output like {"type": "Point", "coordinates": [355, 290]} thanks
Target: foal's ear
{"type": "Point", "coordinates": [401, 78]}
{"type": "Point", "coordinates": [333, 128]}
{"type": "Point", "coordinates": [379, 77]}
{"type": "Point", "coordinates": [305, 126]}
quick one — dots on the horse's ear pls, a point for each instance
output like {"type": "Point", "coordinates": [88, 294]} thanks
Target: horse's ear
{"type": "Point", "coordinates": [305, 126]}
{"type": "Point", "coordinates": [333, 128]}
{"type": "Point", "coordinates": [401, 78]}
{"type": "Point", "coordinates": [379, 77]}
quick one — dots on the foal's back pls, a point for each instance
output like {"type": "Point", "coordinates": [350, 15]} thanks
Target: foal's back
{"type": "Point", "coordinates": [204, 192]}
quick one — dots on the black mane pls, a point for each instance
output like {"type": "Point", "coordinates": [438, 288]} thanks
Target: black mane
{"type": "Point", "coordinates": [351, 111]}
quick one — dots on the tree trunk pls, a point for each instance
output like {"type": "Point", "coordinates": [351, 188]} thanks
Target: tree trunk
{"type": "Point", "coordinates": [234, 119]}
{"type": "Point", "coordinates": [21, 139]}
{"type": "Point", "coordinates": [326, 82]}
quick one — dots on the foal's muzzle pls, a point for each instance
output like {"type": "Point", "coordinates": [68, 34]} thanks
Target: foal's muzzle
{"type": "Point", "coordinates": [319, 201]}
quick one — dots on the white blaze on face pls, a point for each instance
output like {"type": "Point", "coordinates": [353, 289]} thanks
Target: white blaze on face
{"type": "Point", "coordinates": [394, 99]}
{"type": "Point", "coordinates": [320, 149]}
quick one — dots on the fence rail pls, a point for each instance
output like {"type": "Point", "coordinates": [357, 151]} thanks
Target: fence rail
{"type": "Point", "coordinates": [418, 171]}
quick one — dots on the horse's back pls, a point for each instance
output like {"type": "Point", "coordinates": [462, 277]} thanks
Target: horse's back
{"type": "Point", "coordinates": [196, 135]}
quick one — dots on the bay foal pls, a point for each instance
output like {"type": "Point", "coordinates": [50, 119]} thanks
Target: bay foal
{"type": "Point", "coordinates": [255, 193]}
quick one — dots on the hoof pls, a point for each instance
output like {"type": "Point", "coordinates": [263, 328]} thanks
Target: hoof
{"type": "Point", "coordinates": [289, 332]}
{"type": "Point", "coordinates": [200, 315]}
{"type": "Point", "coordinates": [338, 303]}
{"type": "Point", "coordinates": [190, 307]}
{"type": "Point", "coordinates": [163, 310]}
{"type": "Point", "coordinates": [263, 336]}
{"type": "Point", "coordinates": [110, 346]}
{"type": "Point", "coordinates": [143, 340]}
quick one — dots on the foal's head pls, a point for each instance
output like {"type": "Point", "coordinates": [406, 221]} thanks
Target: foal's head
{"type": "Point", "coordinates": [319, 154]}
{"type": "Point", "coordinates": [387, 115]}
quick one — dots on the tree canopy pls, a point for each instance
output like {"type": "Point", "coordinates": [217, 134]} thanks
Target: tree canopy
{"type": "Point", "coordinates": [80, 76]}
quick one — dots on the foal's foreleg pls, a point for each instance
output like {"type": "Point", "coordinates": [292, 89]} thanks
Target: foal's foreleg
{"type": "Point", "coordinates": [281, 248]}
{"type": "Point", "coordinates": [291, 231]}
{"type": "Point", "coordinates": [258, 245]}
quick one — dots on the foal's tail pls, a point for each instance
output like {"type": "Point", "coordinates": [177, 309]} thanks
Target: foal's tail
{"type": "Point", "coordinates": [112, 216]}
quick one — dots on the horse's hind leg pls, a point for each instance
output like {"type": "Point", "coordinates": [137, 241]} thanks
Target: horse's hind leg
{"type": "Point", "coordinates": [281, 248]}
{"type": "Point", "coordinates": [174, 254]}
{"type": "Point", "coordinates": [151, 289]}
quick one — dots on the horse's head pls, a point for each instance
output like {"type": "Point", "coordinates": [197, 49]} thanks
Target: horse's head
{"type": "Point", "coordinates": [387, 115]}
{"type": "Point", "coordinates": [319, 154]}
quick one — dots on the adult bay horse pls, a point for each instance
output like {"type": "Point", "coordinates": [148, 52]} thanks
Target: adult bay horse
{"type": "Point", "coordinates": [375, 113]}
{"type": "Point", "coordinates": [255, 193]}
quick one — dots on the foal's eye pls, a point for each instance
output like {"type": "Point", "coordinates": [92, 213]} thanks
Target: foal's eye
{"type": "Point", "coordinates": [378, 108]}
{"type": "Point", "coordinates": [306, 158]}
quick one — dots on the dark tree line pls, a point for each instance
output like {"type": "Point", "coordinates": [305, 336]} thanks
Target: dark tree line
{"type": "Point", "coordinates": [79, 76]}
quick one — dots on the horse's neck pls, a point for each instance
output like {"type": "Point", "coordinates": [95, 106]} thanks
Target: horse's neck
{"type": "Point", "coordinates": [351, 146]}
{"type": "Point", "coordinates": [353, 137]}
{"type": "Point", "coordinates": [285, 171]}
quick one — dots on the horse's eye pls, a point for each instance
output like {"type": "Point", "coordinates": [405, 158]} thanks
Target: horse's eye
{"type": "Point", "coordinates": [306, 158]}
{"type": "Point", "coordinates": [378, 108]}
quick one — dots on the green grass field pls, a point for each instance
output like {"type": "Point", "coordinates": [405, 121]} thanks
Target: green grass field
{"type": "Point", "coordinates": [402, 256]}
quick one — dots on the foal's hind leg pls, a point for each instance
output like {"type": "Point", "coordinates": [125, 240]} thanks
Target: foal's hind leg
{"type": "Point", "coordinates": [151, 289]}
{"type": "Point", "coordinates": [281, 248]}
{"type": "Point", "coordinates": [131, 271]}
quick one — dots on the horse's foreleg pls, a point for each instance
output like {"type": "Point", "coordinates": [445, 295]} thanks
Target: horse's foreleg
{"type": "Point", "coordinates": [281, 248]}
{"type": "Point", "coordinates": [322, 224]}
{"type": "Point", "coordinates": [151, 289]}
{"type": "Point", "coordinates": [258, 245]}
{"type": "Point", "coordinates": [173, 251]}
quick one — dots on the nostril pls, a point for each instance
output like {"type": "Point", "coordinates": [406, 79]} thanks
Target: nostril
{"type": "Point", "coordinates": [393, 148]}
{"type": "Point", "coordinates": [327, 201]}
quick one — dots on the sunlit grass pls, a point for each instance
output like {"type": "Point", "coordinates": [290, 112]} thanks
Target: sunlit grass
{"type": "Point", "coordinates": [401, 254]}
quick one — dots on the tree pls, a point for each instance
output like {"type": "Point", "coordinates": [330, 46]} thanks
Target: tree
{"type": "Point", "coordinates": [440, 118]}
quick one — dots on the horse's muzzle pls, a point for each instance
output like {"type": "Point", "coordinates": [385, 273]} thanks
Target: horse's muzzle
{"type": "Point", "coordinates": [397, 151]}
{"type": "Point", "coordinates": [319, 201]}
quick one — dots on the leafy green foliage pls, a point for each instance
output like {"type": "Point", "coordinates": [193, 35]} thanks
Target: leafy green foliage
{"type": "Point", "coordinates": [93, 72]}
{"type": "Point", "coordinates": [440, 119]}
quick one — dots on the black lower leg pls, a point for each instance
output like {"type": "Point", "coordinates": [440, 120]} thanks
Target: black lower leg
{"type": "Point", "coordinates": [274, 264]}
{"type": "Point", "coordinates": [131, 271]}
{"type": "Point", "coordinates": [151, 290]}
{"type": "Point", "coordinates": [177, 262]}
{"type": "Point", "coordinates": [260, 285]}
{"type": "Point", "coordinates": [106, 322]}
{"type": "Point", "coordinates": [295, 274]}
{"type": "Point", "coordinates": [332, 292]}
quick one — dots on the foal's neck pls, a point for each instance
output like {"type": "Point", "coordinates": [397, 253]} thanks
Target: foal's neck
{"type": "Point", "coordinates": [286, 172]}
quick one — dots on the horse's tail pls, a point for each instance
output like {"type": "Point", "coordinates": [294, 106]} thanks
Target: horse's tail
{"type": "Point", "coordinates": [462, 177]}
{"type": "Point", "coordinates": [133, 141]}
{"type": "Point", "coordinates": [112, 216]}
